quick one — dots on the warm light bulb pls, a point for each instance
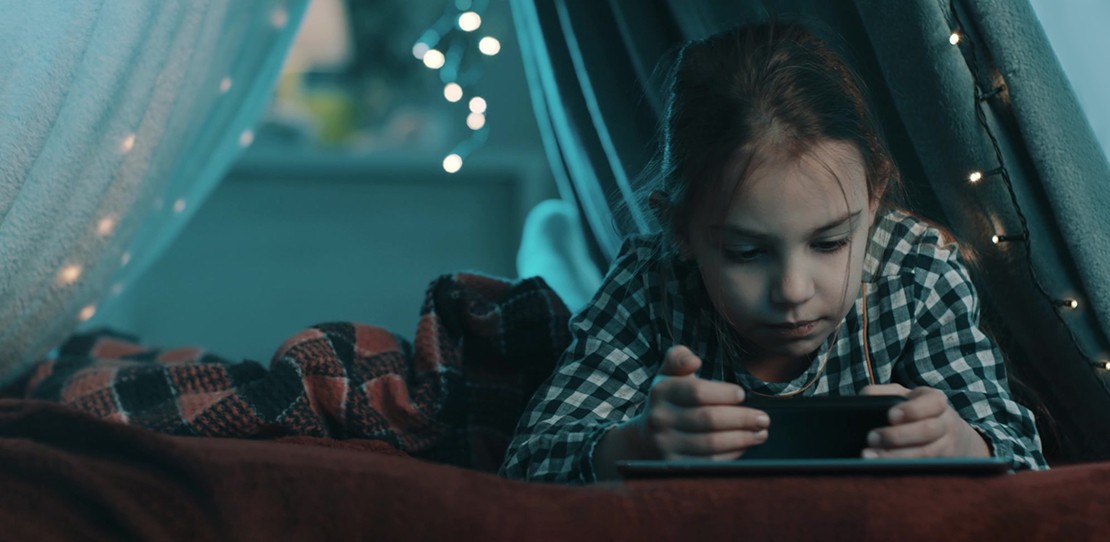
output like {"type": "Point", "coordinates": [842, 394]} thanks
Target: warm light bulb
{"type": "Point", "coordinates": [106, 226]}
{"type": "Point", "coordinates": [434, 59]}
{"type": "Point", "coordinates": [127, 144]}
{"type": "Point", "coordinates": [954, 38]}
{"type": "Point", "coordinates": [489, 46]}
{"type": "Point", "coordinates": [225, 85]}
{"type": "Point", "coordinates": [975, 176]}
{"type": "Point", "coordinates": [1068, 303]}
{"type": "Point", "coordinates": [995, 239]}
{"type": "Point", "coordinates": [87, 312]}
{"type": "Point", "coordinates": [1104, 364]}
{"type": "Point", "coordinates": [453, 92]}
{"type": "Point", "coordinates": [469, 21]}
{"type": "Point", "coordinates": [246, 138]}
{"type": "Point", "coordinates": [475, 121]}
{"type": "Point", "coordinates": [279, 17]}
{"type": "Point", "coordinates": [419, 49]}
{"type": "Point", "coordinates": [478, 104]}
{"type": "Point", "coordinates": [179, 206]}
{"type": "Point", "coordinates": [69, 274]}
{"type": "Point", "coordinates": [452, 163]}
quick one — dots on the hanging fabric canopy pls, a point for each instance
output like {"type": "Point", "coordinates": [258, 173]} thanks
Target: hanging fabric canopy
{"type": "Point", "coordinates": [118, 117]}
{"type": "Point", "coordinates": [960, 87]}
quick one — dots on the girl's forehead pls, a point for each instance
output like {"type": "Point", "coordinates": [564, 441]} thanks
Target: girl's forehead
{"type": "Point", "coordinates": [827, 180]}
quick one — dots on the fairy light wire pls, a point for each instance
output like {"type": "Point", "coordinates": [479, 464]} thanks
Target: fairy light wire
{"type": "Point", "coordinates": [968, 48]}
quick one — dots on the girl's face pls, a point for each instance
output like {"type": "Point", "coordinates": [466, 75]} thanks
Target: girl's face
{"type": "Point", "coordinates": [784, 265]}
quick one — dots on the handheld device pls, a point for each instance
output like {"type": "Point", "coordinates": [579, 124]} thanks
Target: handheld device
{"type": "Point", "coordinates": [828, 427]}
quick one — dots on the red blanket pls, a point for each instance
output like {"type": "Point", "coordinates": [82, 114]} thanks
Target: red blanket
{"type": "Point", "coordinates": [67, 476]}
{"type": "Point", "coordinates": [482, 347]}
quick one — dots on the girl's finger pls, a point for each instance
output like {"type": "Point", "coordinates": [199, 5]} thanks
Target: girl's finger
{"type": "Point", "coordinates": [922, 403]}
{"type": "Point", "coordinates": [695, 392]}
{"type": "Point", "coordinates": [907, 435]}
{"type": "Point", "coordinates": [706, 445]}
{"type": "Point", "coordinates": [720, 418]}
{"type": "Point", "coordinates": [679, 361]}
{"type": "Point", "coordinates": [885, 389]}
{"type": "Point", "coordinates": [933, 449]}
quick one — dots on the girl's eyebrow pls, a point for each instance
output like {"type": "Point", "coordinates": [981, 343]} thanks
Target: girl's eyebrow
{"type": "Point", "coordinates": [742, 232]}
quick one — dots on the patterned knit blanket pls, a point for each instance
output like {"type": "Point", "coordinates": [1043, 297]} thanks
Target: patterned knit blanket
{"type": "Point", "coordinates": [453, 395]}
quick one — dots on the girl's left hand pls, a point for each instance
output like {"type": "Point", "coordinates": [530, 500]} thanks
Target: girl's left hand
{"type": "Point", "coordinates": [925, 425]}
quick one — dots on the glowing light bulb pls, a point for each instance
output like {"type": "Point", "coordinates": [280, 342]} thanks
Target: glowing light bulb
{"type": "Point", "coordinates": [179, 205]}
{"type": "Point", "coordinates": [489, 46]}
{"type": "Point", "coordinates": [279, 17]}
{"type": "Point", "coordinates": [452, 163]}
{"type": "Point", "coordinates": [87, 312]}
{"type": "Point", "coordinates": [127, 144]}
{"type": "Point", "coordinates": [1105, 364]}
{"type": "Point", "coordinates": [1068, 303]}
{"type": "Point", "coordinates": [419, 49]}
{"type": "Point", "coordinates": [434, 59]}
{"type": "Point", "coordinates": [69, 274]}
{"type": "Point", "coordinates": [469, 21]}
{"type": "Point", "coordinates": [246, 138]}
{"type": "Point", "coordinates": [106, 226]}
{"type": "Point", "coordinates": [225, 85]}
{"type": "Point", "coordinates": [475, 121]}
{"type": "Point", "coordinates": [954, 38]}
{"type": "Point", "coordinates": [453, 92]}
{"type": "Point", "coordinates": [995, 239]}
{"type": "Point", "coordinates": [975, 176]}
{"type": "Point", "coordinates": [477, 104]}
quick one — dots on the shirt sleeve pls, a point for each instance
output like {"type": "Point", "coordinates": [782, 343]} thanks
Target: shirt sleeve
{"type": "Point", "coordinates": [949, 352]}
{"type": "Point", "coordinates": [601, 380]}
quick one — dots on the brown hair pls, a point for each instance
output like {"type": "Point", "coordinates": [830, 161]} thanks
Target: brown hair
{"type": "Point", "coordinates": [737, 89]}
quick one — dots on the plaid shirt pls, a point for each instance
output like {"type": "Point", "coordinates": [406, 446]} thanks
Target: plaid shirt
{"type": "Point", "coordinates": [922, 313]}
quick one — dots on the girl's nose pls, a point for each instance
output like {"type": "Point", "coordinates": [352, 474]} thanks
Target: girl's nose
{"type": "Point", "coordinates": [794, 286]}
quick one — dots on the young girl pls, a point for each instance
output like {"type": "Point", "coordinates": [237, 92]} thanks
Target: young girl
{"type": "Point", "coordinates": [783, 269]}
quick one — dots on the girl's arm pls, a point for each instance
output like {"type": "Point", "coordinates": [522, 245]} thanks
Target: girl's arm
{"type": "Point", "coordinates": [601, 380]}
{"type": "Point", "coordinates": [947, 351]}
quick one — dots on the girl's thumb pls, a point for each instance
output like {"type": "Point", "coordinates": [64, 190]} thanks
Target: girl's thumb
{"type": "Point", "coordinates": [680, 361]}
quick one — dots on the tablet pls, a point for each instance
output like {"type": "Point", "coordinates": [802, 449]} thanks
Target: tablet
{"type": "Point", "coordinates": [957, 466]}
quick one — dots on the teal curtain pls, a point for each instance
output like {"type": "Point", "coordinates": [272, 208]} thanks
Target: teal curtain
{"type": "Point", "coordinates": [117, 118]}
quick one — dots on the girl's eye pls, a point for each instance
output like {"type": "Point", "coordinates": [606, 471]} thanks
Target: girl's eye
{"type": "Point", "coordinates": [741, 255]}
{"type": "Point", "coordinates": [830, 246]}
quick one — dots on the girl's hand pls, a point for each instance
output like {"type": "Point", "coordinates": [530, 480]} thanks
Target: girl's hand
{"type": "Point", "coordinates": [688, 417]}
{"type": "Point", "coordinates": [925, 425]}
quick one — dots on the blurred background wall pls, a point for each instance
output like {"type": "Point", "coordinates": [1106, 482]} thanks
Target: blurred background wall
{"type": "Point", "coordinates": [341, 209]}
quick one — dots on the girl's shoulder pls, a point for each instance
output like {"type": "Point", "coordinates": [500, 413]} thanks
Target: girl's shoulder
{"type": "Point", "coordinates": [639, 253]}
{"type": "Point", "coordinates": [905, 243]}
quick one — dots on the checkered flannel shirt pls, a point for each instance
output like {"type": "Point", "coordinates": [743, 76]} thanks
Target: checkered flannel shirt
{"type": "Point", "coordinates": [922, 328]}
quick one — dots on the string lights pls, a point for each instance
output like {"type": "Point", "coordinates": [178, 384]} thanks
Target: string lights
{"type": "Point", "coordinates": [956, 38]}
{"type": "Point", "coordinates": [449, 47]}
{"type": "Point", "coordinates": [977, 176]}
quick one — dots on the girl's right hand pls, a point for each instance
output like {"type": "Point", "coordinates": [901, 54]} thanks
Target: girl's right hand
{"type": "Point", "coordinates": [689, 417]}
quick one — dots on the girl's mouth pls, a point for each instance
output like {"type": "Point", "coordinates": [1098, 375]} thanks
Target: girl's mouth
{"type": "Point", "coordinates": [793, 330]}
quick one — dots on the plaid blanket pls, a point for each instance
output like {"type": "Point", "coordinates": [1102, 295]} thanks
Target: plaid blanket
{"type": "Point", "coordinates": [453, 395]}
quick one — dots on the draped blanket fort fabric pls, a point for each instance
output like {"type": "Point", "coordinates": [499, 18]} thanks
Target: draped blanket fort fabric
{"type": "Point", "coordinates": [117, 118]}
{"type": "Point", "coordinates": [595, 71]}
